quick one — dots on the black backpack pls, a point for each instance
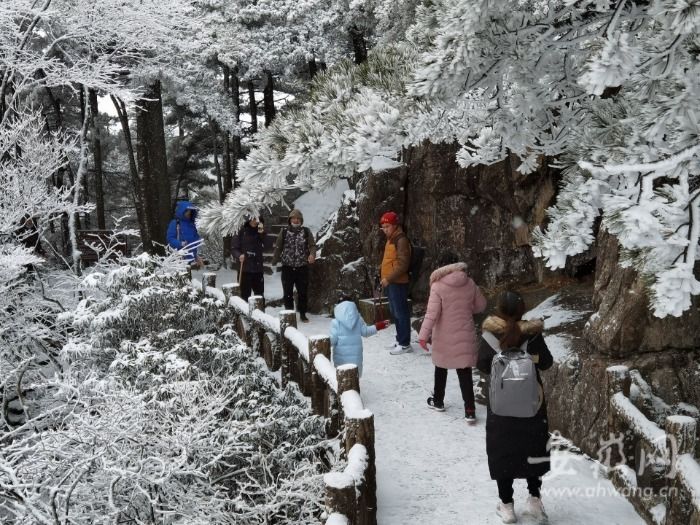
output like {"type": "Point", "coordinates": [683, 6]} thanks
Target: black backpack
{"type": "Point", "coordinates": [415, 262]}
{"type": "Point", "coordinates": [414, 265]}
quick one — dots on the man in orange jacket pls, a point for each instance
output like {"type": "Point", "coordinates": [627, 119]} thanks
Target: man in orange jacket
{"type": "Point", "coordinates": [394, 279]}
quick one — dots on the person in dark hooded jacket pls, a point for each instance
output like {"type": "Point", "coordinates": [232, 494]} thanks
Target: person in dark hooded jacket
{"type": "Point", "coordinates": [247, 247]}
{"type": "Point", "coordinates": [347, 331]}
{"type": "Point", "coordinates": [517, 447]}
{"type": "Point", "coordinates": [182, 232]}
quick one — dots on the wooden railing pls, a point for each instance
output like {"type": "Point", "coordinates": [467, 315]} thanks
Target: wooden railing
{"type": "Point", "coordinates": [350, 495]}
{"type": "Point", "coordinates": [655, 468]}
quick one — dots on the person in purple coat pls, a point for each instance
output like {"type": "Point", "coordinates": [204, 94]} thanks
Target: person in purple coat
{"type": "Point", "coordinates": [454, 299]}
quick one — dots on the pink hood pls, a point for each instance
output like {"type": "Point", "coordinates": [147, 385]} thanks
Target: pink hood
{"type": "Point", "coordinates": [454, 299]}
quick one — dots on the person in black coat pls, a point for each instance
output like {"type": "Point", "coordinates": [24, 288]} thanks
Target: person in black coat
{"type": "Point", "coordinates": [247, 247]}
{"type": "Point", "coordinates": [517, 447]}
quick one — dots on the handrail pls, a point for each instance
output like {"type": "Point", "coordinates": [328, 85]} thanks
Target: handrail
{"type": "Point", "coordinates": [655, 468]}
{"type": "Point", "coordinates": [335, 393]}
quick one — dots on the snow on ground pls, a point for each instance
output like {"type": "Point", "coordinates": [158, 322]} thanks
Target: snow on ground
{"type": "Point", "coordinates": [554, 315]}
{"type": "Point", "coordinates": [432, 467]}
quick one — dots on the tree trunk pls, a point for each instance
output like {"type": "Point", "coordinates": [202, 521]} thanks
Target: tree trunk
{"type": "Point", "coordinates": [134, 174]}
{"type": "Point", "coordinates": [359, 44]}
{"type": "Point", "coordinates": [153, 165]}
{"type": "Point", "coordinates": [253, 108]}
{"type": "Point", "coordinates": [269, 98]}
{"type": "Point", "coordinates": [215, 146]}
{"type": "Point", "coordinates": [97, 159]}
{"type": "Point", "coordinates": [236, 139]}
{"type": "Point", "coordinates": [227, 74]}
{"type": "Point", "coordinates": [73, 223]}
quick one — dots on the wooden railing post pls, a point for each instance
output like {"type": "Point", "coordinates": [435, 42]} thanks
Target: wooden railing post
{"type": "Point", "coordinates": [318, 345]}
{"type": "Point", "coordinates": [256, 302]}
{"type": "Point", "coordinates": [361, 431]}
{"type": "Point", "coordinates": [680, 440]}
{"type": "Point", "coordinates": [184, 278]}
{"type": "Point", "coordinates": [340, 495]}
{"type": "Point", "coordinates": [618, 380]}
{"type": "Point", "coordinates": [256, 332]}
{"type": "Point", "coordinates": [227, 290]}
{"type": "Point", "coordinates": [267, 348]}
{"type": "Point", "coordinates": [287, 318]}
{"type": "Point", "coordinates": [208, 279]}
{"type": "Point", "coordinates": [348, 377]}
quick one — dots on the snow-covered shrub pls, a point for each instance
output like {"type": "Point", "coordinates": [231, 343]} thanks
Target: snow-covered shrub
{"type": "Point", "coordinates": [160, 414]}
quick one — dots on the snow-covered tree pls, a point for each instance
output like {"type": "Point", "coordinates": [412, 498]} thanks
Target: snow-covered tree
{"type": "Point", "coordinates": [157, 413]}
{"type": "Point", "coordinates": [608, 88]}
{"type": "Point", "coordinates": [348, 124]}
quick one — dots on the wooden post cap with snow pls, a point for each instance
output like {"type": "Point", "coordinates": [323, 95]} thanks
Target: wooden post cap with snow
{"type": "Point", "coordinates": [618, 380]}
{"type": "Point", "coordinates": [681, 434]}
{"type": "Point", "coordinates": [256, 302]}
{"type": "Point", "coordinates": [340, 495]}
{"type": "Point", "coordinates": [348, 378]}
{"type": "Point", "coordinates": [227, 290]}
{"type": "Point", "coordinates": [208, 280]}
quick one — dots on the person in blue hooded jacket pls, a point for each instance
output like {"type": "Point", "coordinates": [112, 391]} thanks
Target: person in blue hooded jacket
{"type": "Point", "coordinates": [347, 331]}
{"type": "Point", "coordinates": [182, 232]}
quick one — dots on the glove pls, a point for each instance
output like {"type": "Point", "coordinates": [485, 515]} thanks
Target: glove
{"type": "Point", "coordinates": [423, 344]}
{"type": "Point", "coordinates": [381, 325]}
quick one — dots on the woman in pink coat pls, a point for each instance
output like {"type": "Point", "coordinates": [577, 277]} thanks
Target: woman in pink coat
{"type": "Point", "coordinates": [454, 298]}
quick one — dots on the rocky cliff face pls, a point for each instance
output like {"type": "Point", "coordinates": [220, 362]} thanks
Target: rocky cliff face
{"type": "Point", "coordinates": [483, 213]}
{"type": "Point", "coordinates": [624, 325]}
{"type": "Point", "coordinates": [665, 352]}
{"type": "Point", "coordinates": [340, 267]}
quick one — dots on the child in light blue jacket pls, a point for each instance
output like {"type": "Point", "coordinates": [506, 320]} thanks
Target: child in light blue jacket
{"type": "Point", "coordinates": [347, 331]}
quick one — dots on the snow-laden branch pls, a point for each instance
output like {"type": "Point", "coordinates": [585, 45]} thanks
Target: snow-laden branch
{"type": "Point", "coordinates": [663, 165]}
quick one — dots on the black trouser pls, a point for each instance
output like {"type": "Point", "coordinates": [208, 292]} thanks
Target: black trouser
{"type": "Point", "coordinates": [465, 385]}
{"type": "Point", "coordinates": [505, 488]}
{"type": "Point", "coordinates": [254, 281]}
{"type": "Point", "coordinates": [298, 276]}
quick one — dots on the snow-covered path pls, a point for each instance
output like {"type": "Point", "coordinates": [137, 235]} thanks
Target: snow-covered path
{"type": "Point", "coordinates": [431, 467]}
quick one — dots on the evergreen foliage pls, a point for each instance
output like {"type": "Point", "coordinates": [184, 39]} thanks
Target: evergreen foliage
{"type": "Point", "coordinates": [157, 413]}
{"type": "Point", "coordinates": [608, 91]}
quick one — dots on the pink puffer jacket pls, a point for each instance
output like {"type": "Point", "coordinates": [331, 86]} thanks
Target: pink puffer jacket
{"type": "Point", "coordinates": [454, 299]}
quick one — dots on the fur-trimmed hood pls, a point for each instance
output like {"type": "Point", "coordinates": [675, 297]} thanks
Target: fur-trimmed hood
{"type": "Point", "coordinates": [497, 326]}
{"type": "Point", "coordinates": [444, 271]}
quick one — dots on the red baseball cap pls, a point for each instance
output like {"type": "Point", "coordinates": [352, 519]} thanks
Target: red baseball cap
{"type": "Point", "coordinates": [389, 218]}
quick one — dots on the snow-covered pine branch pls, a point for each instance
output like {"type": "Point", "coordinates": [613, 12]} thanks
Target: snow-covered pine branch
{"type": "Point", "coordinates": [349, 124]}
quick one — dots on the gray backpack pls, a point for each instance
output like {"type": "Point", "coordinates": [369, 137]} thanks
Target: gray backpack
{"type": "Point", "coordinates": [514, 390]}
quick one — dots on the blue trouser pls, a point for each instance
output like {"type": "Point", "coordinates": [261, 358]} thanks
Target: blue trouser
{"type": "Point", "coordinates": [398, 304]}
